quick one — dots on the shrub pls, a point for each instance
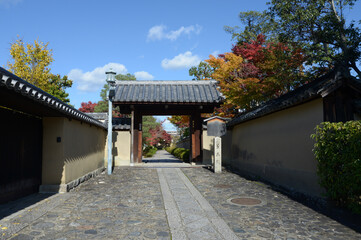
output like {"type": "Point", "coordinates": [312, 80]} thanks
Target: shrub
{"type": "Point", "coordinates": [170, 149]}
{"type": "Point", "coordinates": [338, 152]}
{"type": "Point", "coordinates": [149, 151]}
{"type": "Point", "coordinates": [180, 153]}
{"type": "Point", "coordinates": [185, 156]}
{"type": "Point", "coordinates": [177, 152]}
{"type": "Point", "coordinates": [172, 152]}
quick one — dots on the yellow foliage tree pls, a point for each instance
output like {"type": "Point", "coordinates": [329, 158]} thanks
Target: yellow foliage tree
{"type": "Point", "coordinates": [240, 91]}
{"type": "Point", "coordinates": [31, 63]}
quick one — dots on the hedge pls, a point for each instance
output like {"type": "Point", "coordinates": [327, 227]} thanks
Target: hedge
{"type": "Point", "coordinates": [338, 152]}
{"type": "Point", "coordinates": [180, 153]}
{"type": "Point", "coordinates": [149, 151]}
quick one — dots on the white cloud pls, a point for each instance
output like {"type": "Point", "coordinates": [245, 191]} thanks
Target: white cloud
{"type": "Point", "coordinates": [95, 79]}
{"type": "Point", "coordinates": [159, 32]}
{"type": "Point", "coordinates": [167, 125]}
{"type": "Point", "coordinates": [142, 75]}
{"type": "Point", "coordinates": [9, 3]}
{"type": "Point", "coordinates": [215, 53]}
{"type": "Point", "coordinates": [156, 32]}
{"type": "Point", "coordinates": [183, 60]}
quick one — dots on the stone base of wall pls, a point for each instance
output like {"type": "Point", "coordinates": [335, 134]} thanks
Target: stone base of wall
{"type": "Point", "coordinates": [62, 188]}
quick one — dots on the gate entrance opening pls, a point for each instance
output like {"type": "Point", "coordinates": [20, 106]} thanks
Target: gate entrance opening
{"type": "Point", "coordinates": [192, 98]}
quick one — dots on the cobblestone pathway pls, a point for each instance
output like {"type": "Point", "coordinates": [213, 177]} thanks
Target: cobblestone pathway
{"type": "Point", "coordinates": [126, 205]}
{"type": "Point", "coordinates": [168, 202]}
{"type": "Point", "coordinates": [277, 217]}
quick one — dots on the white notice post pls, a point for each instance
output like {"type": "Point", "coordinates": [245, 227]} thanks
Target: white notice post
{"type": "Point", "coordinates": [216, 126]}
{"type": "Point", "coordinates": [217, 165]}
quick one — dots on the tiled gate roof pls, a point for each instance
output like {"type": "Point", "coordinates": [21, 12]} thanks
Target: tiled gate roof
{"type": "Point", "coordinates": [167, 92]}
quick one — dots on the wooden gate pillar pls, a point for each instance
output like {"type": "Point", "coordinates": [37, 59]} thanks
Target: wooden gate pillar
{"type": "Point", "coordinates": [137, 138]}
{"type": "Point", "coordinates": [196, 129]}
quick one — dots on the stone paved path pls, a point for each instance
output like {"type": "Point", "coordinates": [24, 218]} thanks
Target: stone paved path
{"type": "Point", "coordinates": [277, 217]}
{"type": "Point", "coordinates": [165, 201]}
{"type": "Point", "coordinates": [126, 205]}
{"type": "Point", "coordinates": [163, 159]}
{"type": "Point", "coordinates": [190, 216]}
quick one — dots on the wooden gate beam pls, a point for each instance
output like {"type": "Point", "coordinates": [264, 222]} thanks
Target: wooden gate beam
{"type": "Point", "coordinates": [196, 129]}
{"type": "Point", "coordinates": [137, 138]}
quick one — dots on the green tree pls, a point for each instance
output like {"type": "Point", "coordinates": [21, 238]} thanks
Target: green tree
{"type": "Point", "coordinates": [254, 23]}
{"type": "Point", "coordinates": [149, 122]}
{"type": "Point", "coordinates": [102, 105]}
{"type": "Point", "coordinates": [125, 77]}
{"type": "Point", "coordinates": [319, 27]}
{"type": "Point", "coordinates": [202, 72]}
{"type": "Point", "coordinates": [31, 62]}
{"type": "Point", "coordinates": [57, 86]}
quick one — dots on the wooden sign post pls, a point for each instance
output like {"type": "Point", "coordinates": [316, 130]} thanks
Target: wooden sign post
{"type": "Point", "coordinates": [216, 126]}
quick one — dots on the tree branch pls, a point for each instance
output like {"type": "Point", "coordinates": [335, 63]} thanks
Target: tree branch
{"type": "Point", "coordinates": [354, 67]}
{"type": "Point", "coordinates": [334, 10]}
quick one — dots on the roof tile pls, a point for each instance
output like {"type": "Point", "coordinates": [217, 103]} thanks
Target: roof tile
{"type": "Point", "coordinates": [319, 87]}
{"type": "Point", "coordinates": [167, 92]}
{"type": "Point", "coordinates": [20, 86]}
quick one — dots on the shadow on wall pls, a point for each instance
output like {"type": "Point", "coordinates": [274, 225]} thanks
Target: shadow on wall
{"type": "Point", "coordinates": [208, 154]}
{"type": "Point", "coordinates": [120, 148]}
{"type": "Point", "coordinates": [83, 146]}
{"type": "Point", "coordinates": [115, 152]}
{"type": "Point", "coordinates": [71, 149]}
{"type": "Point", "coordinates": [238, 153]}
{"type": "Point", "coordinates": [20, 154]}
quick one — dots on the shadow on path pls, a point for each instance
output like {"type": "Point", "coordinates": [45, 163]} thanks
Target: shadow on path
{"type": "Point", "coordinates": [7, 209]}
{"type": "Point", "coordinates": [161, 161]}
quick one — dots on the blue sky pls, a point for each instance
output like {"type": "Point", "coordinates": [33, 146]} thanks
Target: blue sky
{"type": "Point", "coordinates": [155, 40]}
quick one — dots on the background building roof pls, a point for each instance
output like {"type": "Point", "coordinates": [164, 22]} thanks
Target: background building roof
{"type": "Point", "coordinates": [118, 123]}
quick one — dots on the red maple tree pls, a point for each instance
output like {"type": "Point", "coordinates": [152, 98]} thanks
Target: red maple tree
{"type": "Point", "coordinates": [159, 136]}
{"type": "Point", "coordinates": [87, 107]}
{"type": "Point", "coordinates": [255, 72]}
{"type": "Point", "coordinates": [279, 64]}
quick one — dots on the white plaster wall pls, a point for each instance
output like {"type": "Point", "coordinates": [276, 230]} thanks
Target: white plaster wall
{"type": "Point", "coordinates": [278, 147]}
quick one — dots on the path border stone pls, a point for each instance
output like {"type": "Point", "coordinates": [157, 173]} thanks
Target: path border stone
{"type": "Point", "coordinates": [173, 213]}
{"type": "Point", "coordinates": [212, 215]}
{"type": "Point", "coordinates": [171, 209]}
